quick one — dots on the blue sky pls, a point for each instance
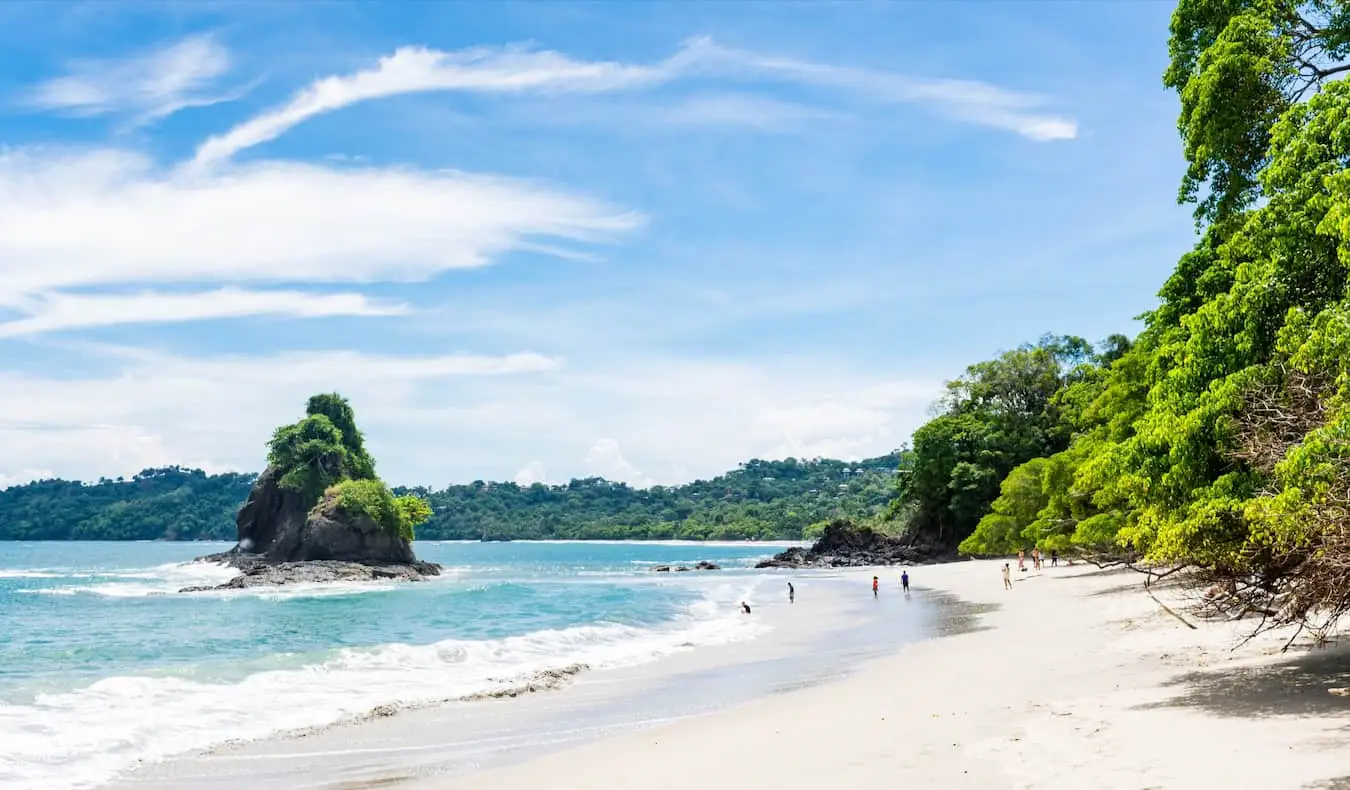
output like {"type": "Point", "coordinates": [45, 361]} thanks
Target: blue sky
{"type": "Point", "coordinates": [542, 240]}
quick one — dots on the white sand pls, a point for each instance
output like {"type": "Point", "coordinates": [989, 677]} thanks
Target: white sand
{"type": "Point", "coordinates": [1072, 684]}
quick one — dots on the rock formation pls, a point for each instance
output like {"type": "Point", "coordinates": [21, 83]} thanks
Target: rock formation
{"type": "Point", "coordinates": [845, 545]}
{"type": "Point", "coordinates": [285, 536]}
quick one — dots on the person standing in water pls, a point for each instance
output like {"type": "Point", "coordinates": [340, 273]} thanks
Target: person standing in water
{"type": "Point", "coordinates": [904, 581]}
{"type": "Point", "coordinates": [876, 584]}
{"type": "Point", "coordinates": [792, 593]}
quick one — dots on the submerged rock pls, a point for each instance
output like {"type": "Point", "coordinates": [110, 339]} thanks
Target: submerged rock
{"type": "Point", "coordinates": [844, 544]}
{"type": "Point", "coordinates": [281, 541]}
{"type": "Point", "coordinates": [702, 565]}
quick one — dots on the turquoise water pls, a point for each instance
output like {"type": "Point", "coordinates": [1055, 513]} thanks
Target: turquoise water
{"type": "Point", "coordinates": [103, 664]}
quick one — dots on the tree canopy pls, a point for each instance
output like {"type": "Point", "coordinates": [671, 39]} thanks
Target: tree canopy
{"type": "Point", "coordinates": [323, 455]}
{"type": "Point", "coordinates": [1220, 439]}
{"type": "Point", "coordinates": [761, 499]}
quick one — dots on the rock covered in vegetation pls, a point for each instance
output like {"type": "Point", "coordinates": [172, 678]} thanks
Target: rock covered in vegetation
{"type": "Point", "coordinates": [844, 544]}
{"type": "Point", "coordinates": [282, 542]}
{"type": "Point", "coordinates": [319, 513]}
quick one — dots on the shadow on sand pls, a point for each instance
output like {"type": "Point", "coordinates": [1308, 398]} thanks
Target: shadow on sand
{"type": "Point", "coordinates": [1295, 686]}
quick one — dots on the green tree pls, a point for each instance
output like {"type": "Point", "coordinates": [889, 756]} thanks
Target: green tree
{"type": "Point", "coordinates": [1238, 66]}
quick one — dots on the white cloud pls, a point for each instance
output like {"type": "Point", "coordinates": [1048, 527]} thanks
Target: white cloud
{"type": "Point", "coordinates": [155, 409]}
{"type": "Point", "coordinates": [606, 460]}
{"type": "Point", "coordinates": [268, 222]}
{"type": "Point", "coordinates": [969, 100]}
{"type": "Point", "coordinates": [24, 476]}
{"type": "Point", "coordinates": [531, 473]}
{"type": "Point", "coordinates": [514, 70]}
{"type": "Point", "coordinates": [454, 418]}
{"type": "Point", "coordinates": [417, 69]}
{"type": "Point", "coordinates": [148, 85]}
{"type": "Point", "coordinates": [54, 312]}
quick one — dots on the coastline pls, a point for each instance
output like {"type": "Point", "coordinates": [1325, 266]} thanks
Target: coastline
{"type": "Point", "coordinates": [1077, 679]}
{"type": "Point", "coordinates": [834, 627]}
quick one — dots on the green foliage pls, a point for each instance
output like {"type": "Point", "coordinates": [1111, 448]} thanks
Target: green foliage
{"type": "Point", "coordinates": [1238, 66]}
{"type": "Point", "coordinates": [310, 455]}
{"type": "Point", "coordinates": [1001, 414]}
{"type": "Point", "coordinates": [760, 500]}
{"type": "Point", "coordinates": [373, 499]}
{"type": "Point", "coordinates": [158, 504]}
{"type": "Point", "coordinates": [322, 449]}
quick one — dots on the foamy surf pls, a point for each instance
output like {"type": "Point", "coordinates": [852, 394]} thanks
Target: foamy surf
{"type": "Point", "coordinates": [114, 724]}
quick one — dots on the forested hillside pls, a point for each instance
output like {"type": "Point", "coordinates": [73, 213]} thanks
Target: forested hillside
{"type": "Point", "coordinates": [761, 499]}
{"type": "Point", "coordinates": [169, 504]}
{"type": "Point", "coordinates": [1220, 438]}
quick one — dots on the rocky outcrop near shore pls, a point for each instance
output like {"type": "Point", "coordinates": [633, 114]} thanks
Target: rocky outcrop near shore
{"type": "Point", "coordinates": [845, 545]}
{"type": "Point", "coordinates": [702, 565]}
{"type": "Point", "coordinates": [281, 541]}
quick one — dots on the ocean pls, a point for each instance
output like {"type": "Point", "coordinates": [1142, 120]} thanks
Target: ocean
{"type": "Point", "coordinates": [104, 666]}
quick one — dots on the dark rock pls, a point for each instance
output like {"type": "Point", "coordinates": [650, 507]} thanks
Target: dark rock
{"type": "Point", "coordinates": [704, 565]}
{"type": "Point", "coordinates": [283, 542]}
{"type": "Point", "coordinates": [681, 569]}
{"type": "Point", "coordinates": [662, 569]}
{"type": "Point", "coordinates": [844, 544]}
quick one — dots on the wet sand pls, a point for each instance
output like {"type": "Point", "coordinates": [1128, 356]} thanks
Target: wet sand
{"type": "Point", "coordinates": [1074, 679]}
{"type": "Point", "coordinates": [834, 628]}
{"type": "Point", "coordinates": [1077, 679]}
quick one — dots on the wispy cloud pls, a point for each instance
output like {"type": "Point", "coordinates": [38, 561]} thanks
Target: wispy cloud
{"type": "Point", "coordinates": [519, 70]}
{"type": "Point", "coordinates": [268, 222]}
{"type": "Point", "coordinates": [55, 312]}
{"type": "Point", "coordinates": [417, 70]}
{"type": "Point", "coordinates": [969, 100]}
{"type": "Point", "coordinates": [146, 86]}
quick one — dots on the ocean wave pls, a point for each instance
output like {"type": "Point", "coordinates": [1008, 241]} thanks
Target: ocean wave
{"type": "Point", "coordinates": [169, 579]}
{"type": "Point", "coordinates": [119, 722]}
{"type": "Point", "coordinates": [30, 574]}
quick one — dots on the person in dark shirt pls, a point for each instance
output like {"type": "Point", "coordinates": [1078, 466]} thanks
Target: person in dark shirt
{"type": "Point", "coordinates": [792, 593]}
{"type": "Point", "coordinates": [745, 607]}
{"type": "Point", "coordinates": [904, 580]}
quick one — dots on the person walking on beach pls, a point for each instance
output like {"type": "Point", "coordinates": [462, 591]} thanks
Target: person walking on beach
{"type": "Point", "coordinates": [876, 585]}
{"type": "Point", "coordinates": [745, 607]}
{"type": "Point", "coordinates": [1021, 560]}
{"type": "Point", "coordinates": [904, 581]}
{"type": "Point", "coordinates": [1054, 558]}
{"type": "Point", "coordinates": [1036, 559]}
{"type": "Point", "coordinates": [1007, 576]}
{"type": "Point", "coordinates": [792, 593]}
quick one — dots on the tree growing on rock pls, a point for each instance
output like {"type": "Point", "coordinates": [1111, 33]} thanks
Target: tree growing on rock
{"type": "Point", "coordinates": [322, 457]}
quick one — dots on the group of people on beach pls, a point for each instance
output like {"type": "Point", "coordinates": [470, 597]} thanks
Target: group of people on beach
{"type": "Point", "coordinates": [876, 590]}
{"type": "Point", "coordinates": [1037, 563]}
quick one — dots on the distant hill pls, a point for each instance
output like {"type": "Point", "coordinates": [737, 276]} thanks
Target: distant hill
{"type": "Point", "coordinates": [158, 504]}
{"type": "Point", "coordinates": [759, 500]}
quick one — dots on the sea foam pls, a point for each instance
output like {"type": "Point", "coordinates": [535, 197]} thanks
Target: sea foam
{"type": "Point", "coordinates": [82, 738]}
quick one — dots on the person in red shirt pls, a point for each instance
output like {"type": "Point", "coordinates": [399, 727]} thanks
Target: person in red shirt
{"type": "Point", "coordinates": [875, 584]}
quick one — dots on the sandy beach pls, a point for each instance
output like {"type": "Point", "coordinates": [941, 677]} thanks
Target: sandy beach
{"type": "Point", "coordinates": [1078, 679]}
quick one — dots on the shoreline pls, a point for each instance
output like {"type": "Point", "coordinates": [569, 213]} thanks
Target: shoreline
{"type": "Point", "coordinates": [807, 643]}
{"type": "Point", "coordinates": [1076, 679]}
